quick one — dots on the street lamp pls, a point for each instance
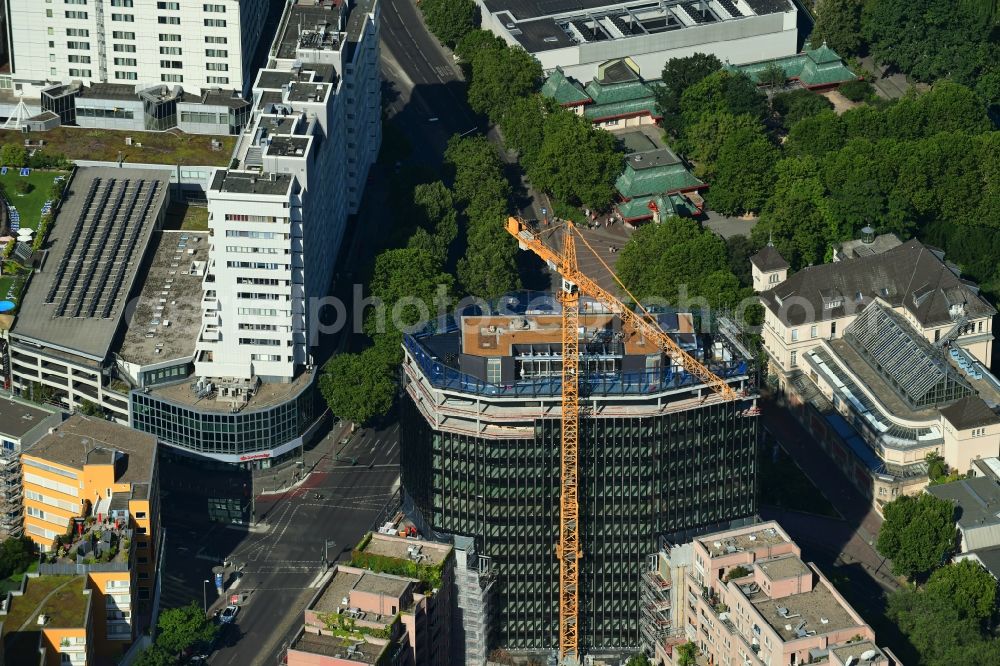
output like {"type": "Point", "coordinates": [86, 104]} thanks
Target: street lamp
{"type": "Point", "coordinates": [204, 595]}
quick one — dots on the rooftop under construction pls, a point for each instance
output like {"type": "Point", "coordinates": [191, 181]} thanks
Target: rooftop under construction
{"type": "Point", "coordinates": [481, 440]}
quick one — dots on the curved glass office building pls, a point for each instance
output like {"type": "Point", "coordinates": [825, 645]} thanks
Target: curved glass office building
{"type": "Point", "coordinates": [480, 446]}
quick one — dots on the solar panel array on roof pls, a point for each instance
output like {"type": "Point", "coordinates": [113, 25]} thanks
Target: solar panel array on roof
{"type": "Point", "coordinates": [730, 7]}
{"type": "Point", "coordinates": [698, 12]}
{"type": "Point", "coordinates": [914, 368]}
{"type": "Point", "coordinates": [101, 247]}
{"type": "Point", "coordinates": [768, 6]}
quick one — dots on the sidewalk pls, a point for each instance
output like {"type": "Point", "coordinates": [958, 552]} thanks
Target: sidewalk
{"type": "Point", "coordinates": [292, 473]}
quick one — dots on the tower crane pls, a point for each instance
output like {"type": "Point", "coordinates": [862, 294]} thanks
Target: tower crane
{"type": "Point", "coordinates": [574, 283]}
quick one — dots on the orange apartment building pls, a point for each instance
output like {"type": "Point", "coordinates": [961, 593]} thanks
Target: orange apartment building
{"type": "Point", "coordinates": [91, 503]}
{"type": "Point", "coordinates": [745, 598]}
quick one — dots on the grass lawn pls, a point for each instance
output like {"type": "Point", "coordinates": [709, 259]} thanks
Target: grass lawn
{"type": "Point", "coordinates": [11, 287]}
{"type": "Point", "coordinates": [173, 147]}
{"type": "Point", "coordinates": [29, 206]}
{"type": "Point", "coordinates": [184, 216]}
{"type": "Point", "coordinates": [784, 485]}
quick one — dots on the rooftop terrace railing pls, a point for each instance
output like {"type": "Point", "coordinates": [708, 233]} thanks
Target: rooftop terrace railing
{"type": "Point", "coordinates": [646, 382]}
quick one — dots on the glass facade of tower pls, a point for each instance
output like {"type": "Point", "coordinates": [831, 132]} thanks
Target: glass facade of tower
{"type": "Point", "coordinates": [641, 477]}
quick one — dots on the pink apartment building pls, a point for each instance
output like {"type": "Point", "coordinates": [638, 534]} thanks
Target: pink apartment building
{"type": "Point", "coordinates": [364, 616]}
{"type": "Point", "coordinates": [745, 598]}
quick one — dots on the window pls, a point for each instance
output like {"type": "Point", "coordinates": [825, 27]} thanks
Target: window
{"type": "Point", "coordinates": [140, 514]}
{"type": "Point", "coordinates": [833, 328]}
{"type": "Point", "coordinates": [75, 2]}
{"type": "Point", "coordinates": [124, 18]}
{"type": "Point", "coordinates": [127, 76]}
{"type": "Point", "coordinates": [77, 32]}
{"type": "Point", "coordinates": [52, 31]}
{"type": "Point", "coordinates": [493, 370]}
{"type": "Point", "coordinates": [795, 359]}
{"type": "Point", "coordinates": [48, 14]}
{"type": "Point", "coordinates": [813, 331]}
{"type": "Point", "coordinates": [121, 3]}
{"type": "Point", "coordinates": [262, 342]}
{"type": "Point", "coordinates": [125, 62]}
{"type": "Point", "coordinates": [83, 73]}
{"type": "Point", "coordinates": [172, 78]}
{"type": "Point", "coordinates": [217, 79]}
{"type": "Point", "coordinates": [937, 335]}
{"type": "Point", "coordinates": [169, 38]}
{"type": "Point", "coordinates": [76, 15]}
{"type": "Point", "coordinates": [168, 20]}
{"type": "Point", "coordinates": [199, 117]}
{"type": "Point", "coordinates": [171, 64]}
{"type": "Point", "coordinates": [168, 5]}
{"type": "Point", "coordinates": [214, 8]}
{"type": "Point", "coordinates": [216, 40]}
{"type": "Point", "coordinates": [773, 278]}
{"type": "Point", "coordinates": [215, 23]}
{"type": "Point", "coordinates": [119, 34]}
{"type": "Point", "coordinates": [91, 112]}
{"type": "Point", "coordinates": [170, 50]}
{"type": "Point", "coordinates": [216, 53]}
{"type": "Point", "coordinates": [265, 357]}
{"type": "Point", "coordinates": [795, 335]}
{"type": "Point", "coordinates": [79, 59]}
{"type": "Point", "coordinates": [35, 513]}
{"type": "Point", "coordinates": [79, 46]}
{"type": "Point", "coordinates": [216, 66]}
{"type": "Point", "coordinates": [125, 48]}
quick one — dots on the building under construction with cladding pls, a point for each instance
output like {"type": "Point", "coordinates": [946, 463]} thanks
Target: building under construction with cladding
{"type": "Point", "coordinates": [659, 454]}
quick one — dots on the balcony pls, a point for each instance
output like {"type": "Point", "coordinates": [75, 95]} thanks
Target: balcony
{"type": "Point", "coordinates": [103, 546]}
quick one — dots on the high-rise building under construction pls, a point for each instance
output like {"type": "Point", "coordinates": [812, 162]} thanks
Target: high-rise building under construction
{"type": "Point", "coordinates": [659, 454]}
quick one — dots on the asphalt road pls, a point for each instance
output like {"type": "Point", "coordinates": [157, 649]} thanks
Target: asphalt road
{"type": "Point", "coordinates": [283, 564]}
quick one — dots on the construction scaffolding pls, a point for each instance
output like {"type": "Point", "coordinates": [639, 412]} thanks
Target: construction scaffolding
{"type": "Point", "coordinates": [11, 495]}
{"type": "Point", "coordinates": [474, 581]}
{"type": "Point", "coordinates": [657, 627]}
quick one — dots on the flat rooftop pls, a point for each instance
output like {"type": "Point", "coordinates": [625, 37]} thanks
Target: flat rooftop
{"type": "Point", "coordinates": [17, 418]}
{"type": "Point", "coordinates": [376, 583]}
{"type": "Point", "coordinates": [398, 547]}
{"type": "Point", "coordinates": [313, 25]}
{"type": "Point", "coordinates": [289, 146]}
{"type": "Point", "coordinates": [237, 182]}
{"type": "Point", "coordinates": [60, 598]}
{"type": "Point", "coordinates": [734, 541]}
{"type": "Point", "coordinates": [167, 319]}
{"type": "Point", "coordinates": [579, 9]}
{"type": "Point", "coordinates": [118, 91]}
{"type": "Point", "coordinates": [788, 566]}
{"type": "Point", "coordinates": [82, 440]}
{"type": "Point", "coordinates": [855, 650]}
{"type": "Point", "coordinates": [977, 499]}
{"type": "Point", "coordinates": [817, 610]}
{"type": "Point", "coordinates": [652, 159]}
{"type": "Point", "coordinates": [97, 244]}
{"type": "Point", "coordinates": [266, 395]}
{"type": "Point", "coordinates": [337, 589]}
{"type": "Point", "coordinates": [339, 648]}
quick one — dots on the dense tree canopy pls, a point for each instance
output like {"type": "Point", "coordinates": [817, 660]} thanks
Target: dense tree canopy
{"type": "Point", "coordinates": [488, 269]}
{"type": "Point", "coordinates": [449, 20]}
{"type": "Point", "coordinates": [798, 104]}
{"type": "Point", "coordinates": [935, 39]}
{"type": "Point", "coordinates": [676, 261]}
{"type": "Point", "coordinates": [918, 534]}
{"type": "Point", "coordinates": [500, 74]}
{"type": "Point", "coordinates": [678, 75]}
{"type": "Point", "coordinates": [723, 91]}
{"type": "Point", "coordinates": [180, 628]}
{"type": "Point", "coordinates": [838, 23]}
{"type": "Point", "coordinates": [359, 387]}
{"type": "Point", "coordinates": [744, 172]}
{"type": "Point", "coordinates": [576, 162]}
{"type": "Point", "coordinates": [16, 554]}
{"type": "Point", "coordinates": [413, 287]}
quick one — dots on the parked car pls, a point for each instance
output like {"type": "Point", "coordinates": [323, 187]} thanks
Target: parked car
{"type": "Point", "coordinates": [229, 614]}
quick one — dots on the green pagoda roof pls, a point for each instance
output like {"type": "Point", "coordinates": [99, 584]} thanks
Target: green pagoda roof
{"type": "Point", "coordinates": [813, 67]}
{"type": "Point", "coordinates": [655, 172]}
{"type": "Point", "coordinates": [598, 112]}
{"type": "Point", "coordinates": [673, 205]}
{"type": "Point", "coordinates": [563, 89]}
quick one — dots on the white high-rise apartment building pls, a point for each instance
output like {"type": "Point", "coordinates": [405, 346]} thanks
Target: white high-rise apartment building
{"type": "Point", "coordinates": [195, 44]}
{"type": "Point", "coordinates": [278, 214]}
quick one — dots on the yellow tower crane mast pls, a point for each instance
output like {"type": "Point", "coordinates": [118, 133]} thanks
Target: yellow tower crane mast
{"type": "Point", "coordinates": [575, 283]}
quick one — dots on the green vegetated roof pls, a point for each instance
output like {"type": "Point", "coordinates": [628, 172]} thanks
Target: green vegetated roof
{"type": "Point", "coordinates": [668, 178]}
{"type": "Point", "coordinates": [562, 89]}
{"type": "Point", "coordinates": [60, 598]}
{"type": "Point", "coordinates": [813, 67]}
